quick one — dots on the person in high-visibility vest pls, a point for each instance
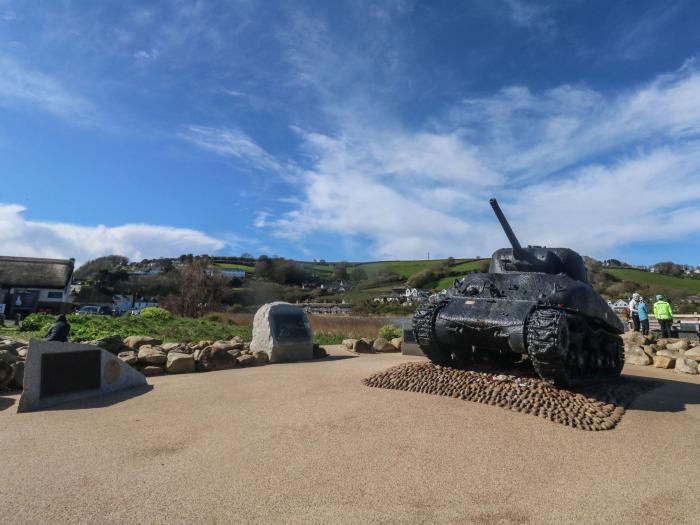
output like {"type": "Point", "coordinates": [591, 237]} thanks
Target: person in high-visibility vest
{"type": "Point", "coordinates": [664, 315]}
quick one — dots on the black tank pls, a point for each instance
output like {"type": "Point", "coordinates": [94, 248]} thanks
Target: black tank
{"type": "Point", "coordinates": [533, 301]}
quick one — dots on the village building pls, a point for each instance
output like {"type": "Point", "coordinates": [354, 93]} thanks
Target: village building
{"type": "Point", "coordinates": [29, 284]}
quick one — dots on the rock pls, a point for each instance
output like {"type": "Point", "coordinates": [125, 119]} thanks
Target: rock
{"type": "Point", "coordinates": [636, 356]}
{"type": "Point", "coordinates": [11, 345]}
{"type": "Point", "coordinates": [235, 353]}
{"type": "Point", "coordinates": [236, 339]}
{"type": "Point", "coordinates": [362, 347]}
{"type": "Point", "coordinates": [396, 341]}
{"type": "Point", "coordinates": [137, 341]}
{"type": "Point", "coordinates": [22, 352]}
{"type": "Point", "coordinates": [151, 355]}
{"type": "Point", "coordinates": [693, 353]}
{"type": "Point", "coordinates": [349, 343]}
{"type": "Point", "coordinates": [8, 356]}
{"type": "Point", "coordinates": [661, 343]}
{"type": "Point", "coordinates": [225, 345]}
{"type": "Point", "coordinates": [18, 376]}
{"type": "Point", "coordinates": [678, 346]}
{"type": "Point", "coordinates": [247, 360]}
{"type": "Point", "coordinates": [129, 357]}
{"type": "Point", "coordinates": [174, 347]}
{"type": "Point", "coordinates": [6, 374]}
{"type": "Point", "coordinates": [632, 338]}
{"type": "Point", "coordinates": [319, 352]}
{"type": "Point", "coordinates": [686, 366]}
{"type": "Point", "coordinates": [662, 361]}
{"type": "Point", "coordinates": [179, 363]}
{"type": "Point", "coordinates": [382, 345]}
{"type": "Point", "coordinates": [112, 343]}
{"type": "Point", "coordinates": [150, 370]}
{"type": "Point", "coordinates": [213, 358]}
{"type": "Point", "coordinates": [649, 350]}
{"type": "Point", "coordinates": [668, 353]}
{"type": "Point", "coordinates": [283, 332]}
{"type": "Point", "coordinates": [261, 358]}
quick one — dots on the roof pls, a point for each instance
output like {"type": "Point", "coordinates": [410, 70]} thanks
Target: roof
{"type": "Point", "coordinates": [32, 272]}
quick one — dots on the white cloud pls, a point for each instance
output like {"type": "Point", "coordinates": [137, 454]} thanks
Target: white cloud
{"type": "Point", "coordinates": [22, 237]}
{"type": "Point", "coordinates": [232, 143]}
{"type": "Point", "coordinates": [571, 166]}
{"type": "Point", "coordinates": [40, 91]}
{"type": "Point", "coordinates": [531, 15]}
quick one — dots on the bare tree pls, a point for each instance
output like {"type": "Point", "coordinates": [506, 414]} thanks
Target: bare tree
{"type": "Point", "coordinates": [200, 290]}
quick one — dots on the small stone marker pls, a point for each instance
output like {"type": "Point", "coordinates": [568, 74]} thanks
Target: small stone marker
{"type": "Point", "coordinates": [283, 332]}
{"type": "Point", "coordinates": [688, 331]}
{"type": "Point", "coordinates": [409, 346]}
{"type": "Point", "coordinates": [59, 372]}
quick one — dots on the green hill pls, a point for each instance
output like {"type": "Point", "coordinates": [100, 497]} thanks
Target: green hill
{"type": "Point", "coordinates": [687, 285]}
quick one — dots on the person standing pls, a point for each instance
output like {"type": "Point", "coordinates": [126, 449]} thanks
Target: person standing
{"type": "Point", "coordinates": [643, 314]}
{"type": "Point", "coordinates": [634, 303]}
{"type": "Point", "coordinates": [664, 315]}
{"type": "Point", "coordinates": [59, 331]}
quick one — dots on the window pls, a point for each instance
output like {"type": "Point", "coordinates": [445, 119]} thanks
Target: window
{"type": "Point", "coordinates": [55, 295]}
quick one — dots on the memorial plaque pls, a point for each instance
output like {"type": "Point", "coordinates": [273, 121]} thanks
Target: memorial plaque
{"type": "Point", "coordinates": [65, 372]}
{"type": "Point", "coordinates": [290, 326]}
{"type": "Point", "coordinates": [688, 331]}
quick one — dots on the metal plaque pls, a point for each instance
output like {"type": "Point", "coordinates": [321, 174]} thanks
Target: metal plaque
{"type": "Point", "coordinates": [64, 372]}
{"type": "Point", "coordinates": [290, 326]}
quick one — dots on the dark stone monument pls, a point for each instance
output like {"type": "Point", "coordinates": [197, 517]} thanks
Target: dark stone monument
{"type": "Point", "coordinates": [65, 372]}
{"type": "Point", "coordinates": [688, 331]}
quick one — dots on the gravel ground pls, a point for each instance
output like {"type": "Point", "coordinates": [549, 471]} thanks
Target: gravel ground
{"type": "Point", "coordinates": [309, 443]}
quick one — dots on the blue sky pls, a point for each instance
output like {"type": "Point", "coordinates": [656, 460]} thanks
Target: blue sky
{"type": "Point", "coordinates": [349, 130]}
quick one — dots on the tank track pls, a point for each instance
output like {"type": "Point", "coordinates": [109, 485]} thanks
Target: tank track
{"type": "Point", "coordinates": [423, 328]}
{"type": "Point", "coordinates": [566, 349]}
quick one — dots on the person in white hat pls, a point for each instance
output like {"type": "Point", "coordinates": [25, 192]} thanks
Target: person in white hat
{"type": "Point", "coordinates": [634, 303]}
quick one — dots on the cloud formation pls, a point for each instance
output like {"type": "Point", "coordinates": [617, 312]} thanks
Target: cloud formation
{"type": "Point", "coordinates": [22, 237]}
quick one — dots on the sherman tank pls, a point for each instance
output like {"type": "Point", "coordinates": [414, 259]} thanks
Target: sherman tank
{"type": "Point", "coordinates": [534, 301]}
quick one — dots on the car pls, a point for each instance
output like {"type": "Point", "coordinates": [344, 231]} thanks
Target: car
{"type": "Point", "coordinates": [94, 310]}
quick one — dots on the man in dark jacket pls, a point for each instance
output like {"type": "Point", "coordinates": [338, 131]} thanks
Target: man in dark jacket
{"type": "Point", "coordinates": [59, 331]}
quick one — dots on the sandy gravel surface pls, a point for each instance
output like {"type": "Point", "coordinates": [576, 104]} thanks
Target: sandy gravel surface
{"type": "Point", "coordinates": [308, 443]}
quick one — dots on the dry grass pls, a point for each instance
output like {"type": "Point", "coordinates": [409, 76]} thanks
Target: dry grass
{"type": "Point", "coordinates": [340, 325]}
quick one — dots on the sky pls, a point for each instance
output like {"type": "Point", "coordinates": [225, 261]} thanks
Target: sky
{"type": "Point", "coordinates": [349, 130]}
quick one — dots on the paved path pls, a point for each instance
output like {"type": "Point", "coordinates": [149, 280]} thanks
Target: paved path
{"type": "Point", "coordinates": [308, 443]}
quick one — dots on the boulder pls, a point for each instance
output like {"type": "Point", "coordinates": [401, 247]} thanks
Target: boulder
{"type": "Point", "coordinates": [151, 370]}
{"type": "Point", "coordinates": [679, 346]}
{"type": "Point", "coordinates": [137, 341]}
{"type": "Point", "coordinates": [22, 352]}
{"type": "Point", "coordinates": [631, 338]}
{"type": "Point", "coordinates": [661, 343]}
{"type": "Point", "coordinates": [283, 331]}
{"type": "Point", "coordinates": [18, 376]}
{"type": "Point", "coordinates": [319, 352]}
{"type": "Point", "coordinates": [112, 343]}
{"type": "Point", "coordinates": [226, 345]}
{"type": "Point", "coordinates": [129, 357]}
{"type": "Point", "coordinates": [361, 346]}
{"type": "Point", "coordinates": [213, 358]}
{"type": "Point", "coordinates": [693, 353]}
{"type": "Point", "coordinates": [686, 366]}
{"type": "Point", "coordinates": [174, 347]}
{"type": "Point", "coordinates": [668, 353]}
{"type": "Point", "coordinates": [247, 360]}
{"type": "Point", "coordinates": [151, 355]}
{"type": "Point", "coordinates": [11, 344]}
{"type": "Point", "coordinates": [662, 361]}
{"type": "Point", "coordinates": [349, 343]}
{"type": "Point", "coordinates": [235, 353]}
{"type": "Point", "coordinates": [6, 374]}
{"type": "Point", "coordinates": [396, 341]}
{"type": "Point", "coordinates": [8, 356]}
{"type": "Point", "coordinates": [261, 358]}
{"type": "Point", "coordinates": [236, 339]}
{"type": "Point", "coordinates": [636, 356]}
{"type": "Point", "coordinates": [382, 345]}
{"type": "Point", "coordinates": [649, 350]}
{"type": "Point", "coordinates": [179, 363]}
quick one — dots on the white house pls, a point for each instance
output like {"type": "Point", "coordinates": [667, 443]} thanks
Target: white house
{"type": "Point", "coordinates": [30, 284]}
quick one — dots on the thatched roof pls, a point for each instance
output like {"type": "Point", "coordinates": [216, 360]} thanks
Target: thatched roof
{"type": "Point", "coordinates": [31, 272]}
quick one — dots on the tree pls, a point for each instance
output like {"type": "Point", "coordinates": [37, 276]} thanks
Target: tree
{"type": "Point", "coordinates": [669, 268]}
{"type": "Point", "coordinates": [199, 291]}
{"type": "Point", "coordinates": [90, 269]}
{"type": "Point", "coordinates": [358, 274]}
{"type": "Point", "coordinates": [450, 261]}
{"type": "Point", "coordinates": [340, 271]}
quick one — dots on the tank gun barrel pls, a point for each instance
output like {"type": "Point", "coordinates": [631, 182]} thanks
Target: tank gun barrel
{"type": "Point", "coordinates": [517, 249]}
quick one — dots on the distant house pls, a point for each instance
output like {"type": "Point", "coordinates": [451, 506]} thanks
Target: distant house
{"type": "Point", "coordinates": [228, 272]}
{"type": "Point", "coordinates": [620, 305]}
{"type": "Point", "coordinates": [29, 284]}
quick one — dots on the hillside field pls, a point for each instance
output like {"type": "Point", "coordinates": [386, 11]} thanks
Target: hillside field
{"type": "Point", "coordinates": [682, 284]}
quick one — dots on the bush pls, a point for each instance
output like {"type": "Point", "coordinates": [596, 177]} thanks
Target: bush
{"type": "Point", "coordinates": [36, 323]}
{"type": "Point", "coordinates": [155, 312]}
{"type": "Point", "coordinates": [389, 332]}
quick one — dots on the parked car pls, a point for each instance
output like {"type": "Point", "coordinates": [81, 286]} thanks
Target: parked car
{"type": "Point", "coordinates": [94, 310]}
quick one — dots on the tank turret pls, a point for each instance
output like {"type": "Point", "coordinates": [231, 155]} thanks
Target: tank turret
{"type": "Point", "coordinates": [534, 302]}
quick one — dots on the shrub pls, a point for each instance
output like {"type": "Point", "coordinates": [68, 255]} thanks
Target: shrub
{"type": "Point", "coordinates": [155, 312]}
{"type": "Point", "coordinates": [389, 332]}
{"type": "Point", "coordinates": [36, 323]}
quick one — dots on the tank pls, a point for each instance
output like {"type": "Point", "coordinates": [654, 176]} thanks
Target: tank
{"type": "Point", "coordinates": [535, 302]}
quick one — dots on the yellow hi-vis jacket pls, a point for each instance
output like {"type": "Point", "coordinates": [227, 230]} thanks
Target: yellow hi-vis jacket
{"type": "Point", "coordinates": [662, 311]}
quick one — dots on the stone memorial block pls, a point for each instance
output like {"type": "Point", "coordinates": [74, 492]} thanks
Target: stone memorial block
{"type": "Point", "coordinates": [409, 346]}
{"type": "Point", "coordinates": [283, 332]}
{"type": "Point", "coordinates": [688, 331]}
{"type": "Point", "coordinates": [58, 372]}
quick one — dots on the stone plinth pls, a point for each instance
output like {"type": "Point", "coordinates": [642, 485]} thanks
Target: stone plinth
{"type": "Point", "coordinates": [409, 346]}
{"type": "Point", "coordinates": [57, 372]}
{"type": "Point", "coordinates": [283, 332]}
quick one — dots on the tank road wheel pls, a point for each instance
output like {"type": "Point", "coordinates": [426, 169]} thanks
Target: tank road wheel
{"type": "Point", "coordinates": [424, 330]}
